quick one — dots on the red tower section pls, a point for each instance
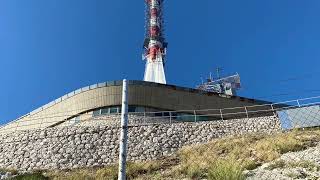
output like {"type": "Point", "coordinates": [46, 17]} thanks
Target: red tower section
{"type": "Point", "coordinates": [154, 44]}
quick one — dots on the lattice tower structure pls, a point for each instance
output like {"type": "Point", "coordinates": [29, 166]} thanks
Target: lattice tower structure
{"type": "Point", "coordinates": [154, 44]}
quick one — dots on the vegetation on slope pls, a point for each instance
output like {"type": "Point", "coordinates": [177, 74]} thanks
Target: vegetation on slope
{"type": "Point", "coordinates": [31, 176]}
{"type": "Point", "coordinates": [243, 153]}
{"type": "Point", "coordinates": [224, 158]}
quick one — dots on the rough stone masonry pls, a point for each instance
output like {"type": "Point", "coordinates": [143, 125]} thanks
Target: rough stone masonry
{"type": "Point", "coordinates": [87, 146]}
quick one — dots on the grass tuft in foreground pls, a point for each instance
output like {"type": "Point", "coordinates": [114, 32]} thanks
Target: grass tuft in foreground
{"type": "Point", "coordinates": [134, 171]}
{"type": "Point", "coordinates": [225, 170]}
{"type": "Point", "coordinates": [30, 176]}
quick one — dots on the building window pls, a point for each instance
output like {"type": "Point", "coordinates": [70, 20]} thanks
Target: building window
{"type": "Point", "coordinates": [76, 120]}
{"type": "Point", "coordinates": [166, 114]}
{"type": "Point", "coordinates": [140, 109]}
{"type": "Point", "coordinates": [132, 109]}
{"type": "Point", "coordinates": [96, 113]}
{"type": "Point", "coordinates": [158, 114]}
{"type": "Point", "coordinates": [105, 111]}
{"type": "Point", "coordinates": [113, 110]}
{"type": "Point", "coordinates": [117, 109]}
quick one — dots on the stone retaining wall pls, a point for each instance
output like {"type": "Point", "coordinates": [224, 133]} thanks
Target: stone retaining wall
{"type": "Point", "coordinates": [87, 146]}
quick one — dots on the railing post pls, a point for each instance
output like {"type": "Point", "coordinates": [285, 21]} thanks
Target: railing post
{"type": "Point", "coordinates": [17, 126]}
{"type": "Point", "coordinates": [144, 117]}
{"type": "Point", "coordinates": [246, 111]}
{"type": "Point", "coordinates": [274, 113]}
{"type": "Point", "coordinates": [195, 116]}
{"type": "Point", "coordinates": [124, 132]}
{"type": "Point", "coordinates": [298, 103]}
{"type": "Point", "coordinates": [41, 123]}
{"type": "Point", "coordinates": [170, 116]}
{"type": "Point", "coordinates": [221, 114]}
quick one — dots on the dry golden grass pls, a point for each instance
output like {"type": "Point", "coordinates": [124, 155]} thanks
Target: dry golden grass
{"type": "Point", "coordinates": [247, 152]}
{"type": "Point", "coordinates": [134, 170]}
{"type": "Point", "coordinates": [225, 170]}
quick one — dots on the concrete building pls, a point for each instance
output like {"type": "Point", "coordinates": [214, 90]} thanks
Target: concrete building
{"type": "Point", "coordinates": [105, 98]}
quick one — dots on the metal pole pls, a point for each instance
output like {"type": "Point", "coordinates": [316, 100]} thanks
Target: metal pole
{"type": "Point", "coordinates": [170, 117]}
{"type": "Point", "coordinates": [195, 116]}
{"type": "Point", "coordinates": [124, 132]}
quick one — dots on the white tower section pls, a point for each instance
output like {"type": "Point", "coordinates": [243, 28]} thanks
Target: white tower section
{"type": "Point", "coordinates": [154, 45]}
{"type": "Point", "coordinates": [154, 71]}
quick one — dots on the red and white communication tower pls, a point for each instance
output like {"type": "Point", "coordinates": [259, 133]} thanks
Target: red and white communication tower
{"type": "Point", "coordinates": [154, 44]}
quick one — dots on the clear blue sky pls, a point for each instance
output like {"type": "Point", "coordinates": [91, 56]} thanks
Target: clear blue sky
{"type": "Point", "coordinates": [49, 48]}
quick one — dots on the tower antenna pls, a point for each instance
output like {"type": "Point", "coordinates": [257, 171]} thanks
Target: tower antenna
{"type": "Point", "coordinates": [219, 69]}
{"type": "Point", "coordinates": [154, 43]}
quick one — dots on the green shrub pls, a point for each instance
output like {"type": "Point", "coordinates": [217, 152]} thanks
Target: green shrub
{"type": "Point", "coordinates": [30, 176]}
{"type": "Point", "coordinates": [192, 171]}
{"type": "Point", "coordinates": [109, 173]}
{"type": "Point", "coordinates": [137, 169]}
{"type": "Point", "coordinates": [277, 164]}
{"type": "Point", "coordinates": [12, 171]}
{"type": "Point", "coordinates": [225, 170]}
{"type": "Point", "coordinates": [77, 174]}
{"type": "Point", "coordinates": [134, 170]}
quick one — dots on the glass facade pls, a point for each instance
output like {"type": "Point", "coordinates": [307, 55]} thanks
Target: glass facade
{"type": "Point", "coordinates": [105, 111]}
{"type": "Point", "coordinates": [117, 109]}
{"type": "Point", "coordinates": [132, 109]}
{"type": "Point", "coordinates": [140, 109]}
{"type": "Point", "coordinates": [97, 112]}
{"type": "Point", "coordinates": [74, 120]}
{"type": "Point", "coordinates": [114, 110]}
{"type": "Point", "coordinates": [183, 117]}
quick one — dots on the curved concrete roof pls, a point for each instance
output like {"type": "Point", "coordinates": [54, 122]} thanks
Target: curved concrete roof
{"type": "Point", "coordinates": [141, 93]}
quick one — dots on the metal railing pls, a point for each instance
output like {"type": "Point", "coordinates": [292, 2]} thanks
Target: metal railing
{"type": "Point", "coordinates": [40, 122]}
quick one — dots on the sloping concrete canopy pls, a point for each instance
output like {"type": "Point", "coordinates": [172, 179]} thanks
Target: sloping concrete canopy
{"type": "Point", "coordinates": [108, 94]}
